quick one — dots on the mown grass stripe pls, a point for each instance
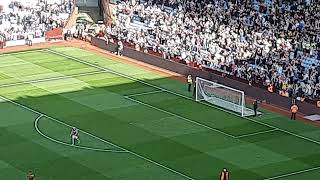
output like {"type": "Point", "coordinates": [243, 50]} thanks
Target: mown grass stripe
{"type": "Point", "coordinates": [180, 95]}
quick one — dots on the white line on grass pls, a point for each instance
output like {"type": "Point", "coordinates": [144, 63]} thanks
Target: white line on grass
{"type": "Point", "coordinates": [189, 120]}
{"type": "Point", "coordinates": [89, 134]}
{"type": "Point", "coordinates": [145, 93]}
{"type": "Point", "coordinates": [293, 173]}
{"type": "Point", "coordinates": [177, 94]}
{"type": "Point", "coordinates": [256, 133]}
{"type": "Point", "coordinates": [20, 52]}
{"type": "Point", "coordinates": [178, 116]}
{"type": "Point", "coordinates": [70, 145]}
{"type": "Point", "coordinates": [51, 79]}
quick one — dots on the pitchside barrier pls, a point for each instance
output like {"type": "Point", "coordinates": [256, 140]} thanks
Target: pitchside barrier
{"type": "Point", "coordinates": [255, 92]}
{"type": "Point", "coordinates": [23, 42]}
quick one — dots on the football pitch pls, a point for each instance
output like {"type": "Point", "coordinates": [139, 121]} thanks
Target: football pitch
{"type": "Point", "coordinates": [134, 125]}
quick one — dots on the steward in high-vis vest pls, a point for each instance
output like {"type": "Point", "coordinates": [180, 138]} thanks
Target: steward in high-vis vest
{"type": "Point", "coordinates": [294, 109]}
{"type": "Point", "coordinates": [189, 81]}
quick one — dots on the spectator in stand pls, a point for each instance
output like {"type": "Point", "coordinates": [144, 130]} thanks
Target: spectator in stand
{"type": "Point", "coordinates": [267, 43]}
{"type": "Point", "coordinates": [21, 20]}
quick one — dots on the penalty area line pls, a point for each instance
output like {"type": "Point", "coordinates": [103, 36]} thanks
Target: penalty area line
{"type": "Point", "coordinates": [180, 117]}
{"type": "Point", "coordinates": [177, 94]}
{"type": "Point", "coordinates": [70, 145]}
{"type": "Point", "coordinates": [129, 97]}
{"type": "Point", "coordinates": [257, 133]}
{"type": "Point", "coordinates": [144, 93]}
{"type": "Point", "coordinates": [293, 173]}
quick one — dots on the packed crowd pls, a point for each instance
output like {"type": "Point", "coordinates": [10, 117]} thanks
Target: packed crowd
{"type": "Point", "coordinates": [270, 42]}
{"type": "Point", "coordinates": [28, 19]}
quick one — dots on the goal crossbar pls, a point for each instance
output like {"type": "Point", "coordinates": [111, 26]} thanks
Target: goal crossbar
{"type": "Point", "coordinates": [222, 96]}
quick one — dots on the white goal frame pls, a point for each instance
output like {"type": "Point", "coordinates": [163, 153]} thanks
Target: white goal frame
{"type": "Point", "coordinates": [239, 108]}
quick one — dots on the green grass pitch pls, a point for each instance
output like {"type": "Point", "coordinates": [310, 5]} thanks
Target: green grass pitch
{"type": "Point", "coordinates": [134, 125]}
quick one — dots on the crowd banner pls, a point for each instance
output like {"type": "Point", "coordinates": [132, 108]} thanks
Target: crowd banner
{"type": "Point", "coordinates": [54, 34]}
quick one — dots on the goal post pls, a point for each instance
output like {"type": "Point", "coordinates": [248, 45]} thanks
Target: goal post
{"type": "Point", "coordinates": [222, 96]}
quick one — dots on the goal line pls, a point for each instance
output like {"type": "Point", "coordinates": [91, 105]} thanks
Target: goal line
{"type": "Point", "coordinates": [222, 96]}
{"type": "Point", "coordinates": [131, 98]}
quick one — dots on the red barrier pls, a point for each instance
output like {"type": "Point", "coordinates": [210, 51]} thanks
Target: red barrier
{"type": "Point", "coordinates": [54, 34]}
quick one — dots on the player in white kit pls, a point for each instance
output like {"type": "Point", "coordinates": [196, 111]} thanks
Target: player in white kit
{"type": "Point", "coordinates": [75, 136]}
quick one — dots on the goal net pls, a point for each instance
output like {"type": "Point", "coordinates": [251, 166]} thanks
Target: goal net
{"type": "Point", "coordinates": [221, 95]}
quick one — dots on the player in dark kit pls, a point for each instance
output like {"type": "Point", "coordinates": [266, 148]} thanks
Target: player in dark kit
{"type": "Point", "coordinates": [255, 107]}
{"type": "Point", "coordinates": [224, 174]}
{"type": "Point", "coordinates": [194, 89]}
{"type": "Point", "coordinates": [189, 81]}
{"type": "Point", "coordinates": [31, 176]}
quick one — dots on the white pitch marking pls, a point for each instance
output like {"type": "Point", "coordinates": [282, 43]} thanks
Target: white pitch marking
{"type": "Point", "coordinates": [54, 119]}
{"type": "Point", "coordinates": [293, 173]}
{"type": "Point", "coordinates": [186, 119]}
{"type": "Point", "coordinates": [50, 79]}
{"type": "Point", "coordinates": [70, 145]}
{"type": "Point", "coordinates": [21, 52]}
{"type": "Point", "coordinates": [256, 133]}
{"type": "Point", "coordinates": [145, 93]}
{"type": "Point", "coordinates": [122, 148]}
{"type": "Point", "coordinates": [180, 95]}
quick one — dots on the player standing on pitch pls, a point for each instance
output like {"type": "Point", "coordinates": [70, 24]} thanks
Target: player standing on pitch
{"type": "Point", "coordinates": [224, 174]}
{"type": "Point", "coordinates": [31, 176]}
{"type": "Point", "coordinates": [255, 107]}
{"type": "Point", "coordinates": [74, 136]}
{"type": "Point", "coordinates": [294, 109]}
{"type": "Point", "coordinates": [189, 81]}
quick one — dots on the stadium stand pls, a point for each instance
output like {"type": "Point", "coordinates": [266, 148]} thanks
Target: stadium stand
{"type": "Point", "coordinates": [22, 20]}
{"type": "Point", "coordinates": [274, 43]}
{"type": "Point", "coordinates": [270, 42]}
